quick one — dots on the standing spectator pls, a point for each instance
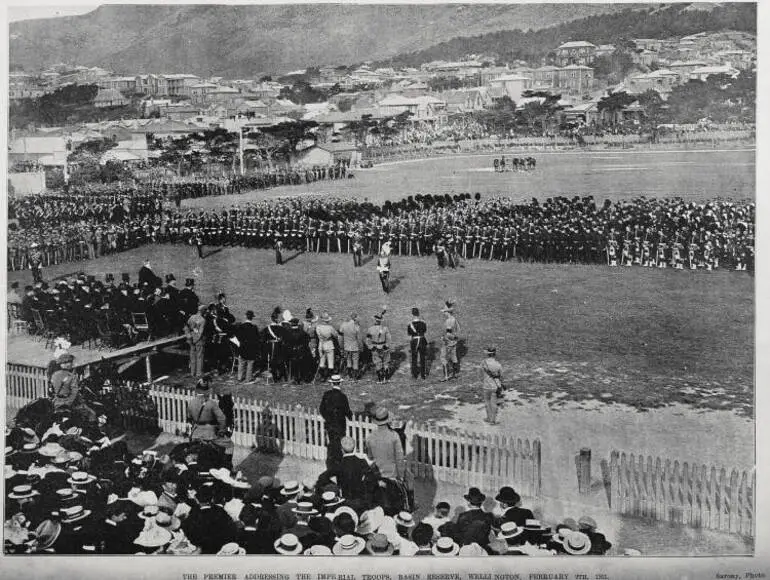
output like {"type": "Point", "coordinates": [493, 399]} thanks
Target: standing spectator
{"type": "Point", "coordinates": [383, 447]}
{"type": "Point", "coordinates": [491, 383]}
{"type": "Point", "coordinates": [417, 343]}
{"type": "Point", "coordinates": [326, 337]}
{"type": "Point", "coordinates": [335, 410]}
{"type": "Point", "coordinates": [204, 414]}
{"type": "Point", "coordinates": [146, 275]}
{"type": "Point", "coordinates": [194, 330]}
{"type": "Point", "coordinates": [351, 344]}
{"type": "Point", "coordinates": [247, 334]}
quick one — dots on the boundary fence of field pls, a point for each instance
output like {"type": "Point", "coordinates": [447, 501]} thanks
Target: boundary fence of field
{"type": "Point", "coordinates": [441, 148]}
{"type": "Point", "coordinates": [697, 496]}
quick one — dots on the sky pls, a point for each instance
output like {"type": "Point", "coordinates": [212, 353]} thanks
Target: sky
{"type": "Point", "coordinates": [16, 13]}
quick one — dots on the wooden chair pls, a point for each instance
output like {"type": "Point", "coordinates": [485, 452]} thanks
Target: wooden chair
{"type": "Point", "coordinates": [141, 325]}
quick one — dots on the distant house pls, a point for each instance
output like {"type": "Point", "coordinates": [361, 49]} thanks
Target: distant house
{"type": "Point", "coordinates": [463, 100]}
{"type": "Point", "coordinates": [329, 154]}
{"type": "Point", "coordinates": [662, 81]}
{"type": "Point", "coordinates": [576, 52]}
{"type": "Point", "coordinates": [705, 72]}
{"type": "Point", "coordinates": [131, 152]}
{"type": "Point", "coordinates": [422, 108]}
{"type": "Point", "coordinates": [512, 85]}
{"type": "Point", "coordinates": [110, 98]}
{"type": "Point", "coordinates": [46, 151]}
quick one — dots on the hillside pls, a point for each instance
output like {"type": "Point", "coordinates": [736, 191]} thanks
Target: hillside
{"type": "Point", "coordinates": [661, 21]}
{"type": "Point", "coordinates": [237, 41]}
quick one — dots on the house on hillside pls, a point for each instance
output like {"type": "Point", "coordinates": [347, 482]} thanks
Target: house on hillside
{"type": "Point", "coordinates": [329, 154]}
{"type": "Point", "coordinates": [422, 108]}
{"type": "Point", "coordinates": [511, 85]}
{"type": "Point", "coordinates": [110, 98]}
{"type": "Point", "coordinates": [576, 52]}
{"type": "Point", "coordinates": [45, 151]}
{"type": "Point", "coordinates": [463, 100]}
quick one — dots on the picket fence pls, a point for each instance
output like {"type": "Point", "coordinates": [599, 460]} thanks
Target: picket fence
{"type": "Point", "coordinates": [434, 453]}
{"type": "Point", "coordinates": [686, 494]}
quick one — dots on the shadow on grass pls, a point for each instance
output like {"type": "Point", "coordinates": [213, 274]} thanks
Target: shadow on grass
{"type": "Point", "coordinates": [212, 252]}
{"type": "Point", "coordinates": [294, 257]}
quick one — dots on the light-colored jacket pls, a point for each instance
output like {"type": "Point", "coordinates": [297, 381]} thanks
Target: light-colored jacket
{"type": "Point", "coordinates": [351, 336]}
{"type": "Point", "coordinates": [383, 447]}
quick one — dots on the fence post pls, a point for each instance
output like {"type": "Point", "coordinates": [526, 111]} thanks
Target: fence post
{"type": "Point", "coordinates": [583, 461]}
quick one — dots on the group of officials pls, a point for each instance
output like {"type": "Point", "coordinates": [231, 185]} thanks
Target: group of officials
{"type": "Point", "coordinates": [317, 348]}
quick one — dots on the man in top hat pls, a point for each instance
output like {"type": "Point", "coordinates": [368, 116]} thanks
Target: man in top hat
{"type": "Point", "coordinates": [510, 502]}
{"type": "Point", "coordinates": [384, 448]}
{"type": "Point", "coordinates": [335, 410]}
{"type": "Point", "coordinates": [491, 372]}
{"type": "Point", "coordinates": [146, 275]}
{"type": "Point", "coordinates": [66, 390]}
{"type": "Point", "coordinates": [206, 418]}
{"type": "Point", "coordinates": [474, 515]}
{"type": "Point", "coordinates": [188, 300]}
{"type": "Point", "coordinates": [418, 344]}
{"type": "Point", "coordinates": [351, 344]}
{"type": "Point", "coordinates": [194, 331]}
{"type": "Point", "coordinates": [378, 342]}
{"type": "Point", "coordinates": [247, 334]}
{"type": "Point", "coordinates": [327, 335]}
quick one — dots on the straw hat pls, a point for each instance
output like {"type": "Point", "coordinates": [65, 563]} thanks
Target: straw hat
{"type": "Point", "coordinates": [47, 533]}
{"type": "Point", "coordinates": [231, 549]}
{"type": "Point", "coordinates": [379, 545]}
{"type": "Point", "coordinates": [50, 449]}
{"type": "Point", "coordinates": [305, 508]}
{"type": "Point", "coordinates": [445, 546]}
{"type": "Point", "coordinates": [349, 545]}
{"type": "Point", "coordinates": [405, 520]}
{"type": "Point", "coordinates": [509, 530]}
{"type": "Point", "coordinates": [81, 478]}
{"type": "Point", "coordinates": [370, 521]}
{"type": "Point", "coordinates": [291, 488]}
{"type": "Point", "coordinates": [473, 550]}
{"type": "Point", "coordinates": [576, 543]}
{"type": "Point", "coordinates": [73, 514]}
{"type": "Point", "coordinates": [318, 550]}
{"type": "Point", "coordinates": [288, 545]}
{"type": "Point", "coordinates": [22, 492]}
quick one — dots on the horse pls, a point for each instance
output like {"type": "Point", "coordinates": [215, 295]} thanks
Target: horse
{"type": "Point", "coordinates": [497, 165]}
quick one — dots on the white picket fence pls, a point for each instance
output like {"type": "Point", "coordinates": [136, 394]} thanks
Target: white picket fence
{"type": "Point", "coordinates": [437, 453]}
{"type": "Point", "coordinates": [468, 459]}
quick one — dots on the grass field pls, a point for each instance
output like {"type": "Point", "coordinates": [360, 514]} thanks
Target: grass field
{"type": "Point", "coordinates": [697, 175]}
{"type": "Point", "coordinates": [638, 337]}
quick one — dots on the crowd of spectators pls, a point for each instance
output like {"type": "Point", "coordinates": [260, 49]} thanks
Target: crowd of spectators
{"type": "Point", "coordinates": [74, 488]}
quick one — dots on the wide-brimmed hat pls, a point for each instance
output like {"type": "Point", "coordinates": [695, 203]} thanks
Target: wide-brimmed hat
{"type": "Point", "coordinates": [221, 474]}
{"type": "Point", "coordinates": [335, 379]}
{"type": "Point", "coordinates": [149, 512]}
{"type": "Point", "coordinates": [291, 488]}
{"type": "Point", "coordinates": [153, 536]}
{"type": "Point", "coordinates": [405, 520]}
{"type": "Point", "coordinates": [370, 521]}
{"type": "Point", "coordinates": [73, 514]}
{"type": "Point", "coordinates": [474, 496]}
{"type": "Point", "coordinates": [169, 521]}
{"type": "Point", "coordinates": [50, 449]}
{"type": "Point", "coordinates": [448, 307]}
{"type": "Point", "coordinates": [379, 545]}
{"type": "Point", "coordinates": [325, 317]}
{"type": "Point", "coordinates": [305, 508]}
{"type": "Point", "coordinates": [318, 550]}
{"type": "Point", "coordinates": [65, 456]}
{"type": "Point", "coordinates": [445, 546]}
{"type": "Point", "coordinates": [349, 545]}
{"type": "Point", "coordinates": [331, 499]}
{"type": "Point", "coordinates": [238, 481]}
{"type": "Point", "coordinates": [576, 543]}
{"type": "Point", "coordinates": [288, 544]}
{"type": "Point", "coordinates": [81, 478]}
{"type": "Point", "coordinates": [46, 534]}
{"type": "Point", "coordinates": [22, 492]}
{"type": "Point", "coordinates": [67, 494]}
{"type": "Point", "coordinates": [533, 525]}
{"type": "Point", "coordinates": [508, 495]}
{"type": "Point", "coordinates": [473, 550]}
{"type": "Point", "coordinates": [381, 416]}
{"type": "Point", "coordinates": [202, 387]}
{"type": "Point", "coordinates": [344, 509]}
{"type": "Point", "coordinates": [231, 549]}
{"type": "Point", "coordinates": [509, 530]}
{"type": "Point", "coordinates": [28, 448]}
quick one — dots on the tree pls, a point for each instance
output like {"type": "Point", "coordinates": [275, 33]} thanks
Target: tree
{"type": "Point", "coordinates": [613, 103]}
{"type": "Point", "coordinates": [291, 135]}
{"type": "Point", "coordinates": [654, 109]}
